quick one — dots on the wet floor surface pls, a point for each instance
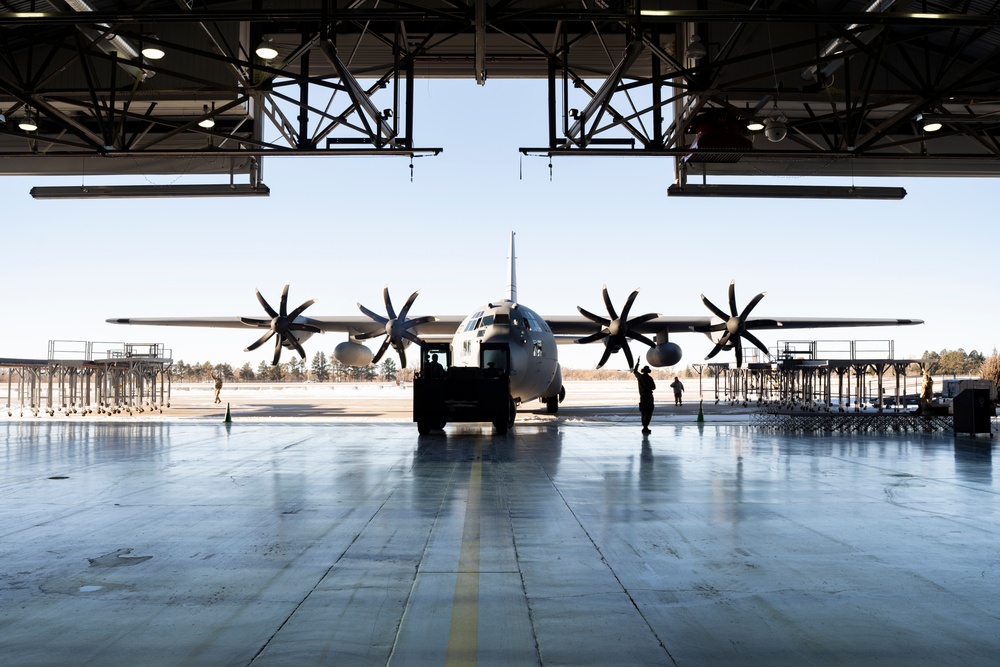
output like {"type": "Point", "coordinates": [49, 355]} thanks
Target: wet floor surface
{"type": "Point", "coordinates": [558, 544]}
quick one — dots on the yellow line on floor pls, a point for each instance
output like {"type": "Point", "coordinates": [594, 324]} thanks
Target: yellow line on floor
{"type": "Point", "coordinates": [464, 635]}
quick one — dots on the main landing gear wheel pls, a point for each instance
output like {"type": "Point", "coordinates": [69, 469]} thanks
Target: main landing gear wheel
{"type": "Point", "coordinates": [552, 405]}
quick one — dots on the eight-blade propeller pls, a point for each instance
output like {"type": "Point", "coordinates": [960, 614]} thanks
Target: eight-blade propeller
{"type": "Point", "coordinates": [735, 325]}
{"type": "Point", "coordinates": [616, 331]}
{"type": "Point", "coordinates": [282, 324]}
{"type": "Point", "coordinates": [395, 328]}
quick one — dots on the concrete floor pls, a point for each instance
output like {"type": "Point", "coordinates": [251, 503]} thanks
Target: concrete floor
{"type": "Point", "coordinates": [189, 543]}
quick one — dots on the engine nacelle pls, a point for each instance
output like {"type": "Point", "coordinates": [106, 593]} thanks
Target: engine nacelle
{"type": "Point", "coordinates": [664, 354]}
{"type": "Point", "coordinates": [350, 353]}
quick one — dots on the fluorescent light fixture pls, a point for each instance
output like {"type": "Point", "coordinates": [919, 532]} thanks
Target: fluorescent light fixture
{"type": "Point", "coordinates": [266, 51]}
{"type": "Point", "coordinates": [786, 191]}
{"type": "Point", "coordinates": [146, 191]}
{"type": "Point", "coordinates": [208, 122]}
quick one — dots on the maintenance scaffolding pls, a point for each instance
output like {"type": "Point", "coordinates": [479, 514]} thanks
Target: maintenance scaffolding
{"type": "Point", "coordinates": [829, 386]}
{"type": "Point", "coordinates": [82, 377]}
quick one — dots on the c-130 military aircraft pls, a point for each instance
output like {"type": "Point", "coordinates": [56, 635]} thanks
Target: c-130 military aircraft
{"type": "Point", "coordinates": [508, 336]}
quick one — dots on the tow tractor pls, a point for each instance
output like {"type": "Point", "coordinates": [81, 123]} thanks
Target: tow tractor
{"type": "Point", "coordinates": [443, 393]}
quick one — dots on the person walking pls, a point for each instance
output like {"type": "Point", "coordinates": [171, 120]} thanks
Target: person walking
{"type": "Point", "coordinates": [646, 387]}
{"type": "Point", "coordinates": [678, 390]}
{"type": "Point", "coordinates": [217, 376]}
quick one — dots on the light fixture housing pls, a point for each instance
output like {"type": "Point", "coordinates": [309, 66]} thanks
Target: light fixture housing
{"type": "Point", "coordinates": [148, 191]}
{"type": "Point", "coordinates": [696, 49]}
{"type": "Point", "coordinates": [755, 125]}
{"type": "Point", "coordinates": [29, 123]}
{"type": "Point", "coordinates": [265, 50]}
{"type": "Point", "coordinates": [786, 191]}
{"type": "Point", "coordinates": [928, 125]}
{"type": "Point", "coordinates": [208, 122]}
{"type": "Point", "coordinates": [152, 51]}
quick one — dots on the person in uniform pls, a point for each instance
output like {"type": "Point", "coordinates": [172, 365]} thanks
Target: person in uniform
{"type": "Point", "coordinates": [217, 376]}
{"type": "Point", "coordinates": [678, 388]}
{"type": "Point", "coordinates": [646, 387]}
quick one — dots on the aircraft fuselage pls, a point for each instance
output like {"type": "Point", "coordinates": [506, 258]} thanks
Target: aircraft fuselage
{"type": "Point", "coordinates": [534, 364]}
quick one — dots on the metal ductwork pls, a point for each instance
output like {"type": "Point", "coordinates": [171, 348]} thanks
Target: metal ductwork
{"type": "Point", "coordinates": [115, 44]}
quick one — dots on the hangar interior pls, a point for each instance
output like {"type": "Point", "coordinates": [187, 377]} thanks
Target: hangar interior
{"type": "Point", "coordinates": [870, 88]}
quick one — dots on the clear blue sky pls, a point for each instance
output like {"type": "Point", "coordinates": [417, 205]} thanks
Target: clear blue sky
{"type": "Point", "coordinates": [338, 229]}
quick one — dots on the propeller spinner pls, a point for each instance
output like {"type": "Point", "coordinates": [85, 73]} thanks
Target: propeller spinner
{"type": "Point", "coordinates": [281, 324]}
{"type": "Point", "coordinates": [395, 328]}
{"type": "Point", "coordinates": [734, 325]}
{"type": "Point", "coordinates": [615, 329]}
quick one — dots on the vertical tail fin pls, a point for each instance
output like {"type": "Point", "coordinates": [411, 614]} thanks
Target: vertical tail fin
{"type": "Point", "coordinates": [511, 276]}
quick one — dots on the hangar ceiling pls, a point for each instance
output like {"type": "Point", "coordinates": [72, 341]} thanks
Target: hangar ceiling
{"type": "Point", "coordinates": [828, 88]}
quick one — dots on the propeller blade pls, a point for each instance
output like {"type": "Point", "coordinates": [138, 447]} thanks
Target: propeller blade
{"type": "Point", "coordinates": [592, 338]}
{"type": "Point", "coordinates": [604, 357]}
{"type": "Point", "coordinates": [260, 341]}
{"type": "Point", "coordinates": [388, 303]}
{"type": "Point", "coordinates": [411, 324]}
{"type": "Point", "coordinates": [254, 322]}
{"type": "Point", "coordinates": [406, 306]}
{"type": "Point", "coordinates": [753, 339]}
{"type": "Point", "coordinates": [628, 306]}
{"type": "Point", "coordinates": [642, 339]}
{"type": "Point", "coordinates": [628, 354]}
{"type": "Point", "coordinates": [607, 302]}
{"type": "Point", "coordinates": [603, 321]}
{"type": "Point", "coordinates": [298, 311]}
{"type": "Point", "coordinates": [715, 350]}
{"type": "Point", "coordinates": [375, 316]}
{"type": "Point", "coordinates": [265, 305]}
{"type": "Point", "coordinates": [751, 305]}
{"type": "Point", "coordinates": [381, 350]}
{"type": "Point", "coordinates": [298, 346]}
{"type": "Point", "coordinates": [277, 351]}
{"type": "Point", "coordinates": [283, 306]}
{"type": "Point", "coordinates": [298, 326]}
{"type": "Point", "coordinates": [412, 337]}
{"type": "Point", "coordinates": [374, 333]}
{"type": "Point", "coordinates": [715, 309]}
{"type": "Point", "coordinates": [739, 352]}
{"type": "Point", "coordinates": [732, 298]}
{"type": "Point", "coordinates": [402, 358]}
{"type": "Point", "coordinates": [642, 319]}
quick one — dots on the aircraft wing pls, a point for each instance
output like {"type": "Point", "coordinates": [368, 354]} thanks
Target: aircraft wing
{"type": "Point", "coordinates": [573, 325]}
{"type": "Point", "coordinates": [440, 326]}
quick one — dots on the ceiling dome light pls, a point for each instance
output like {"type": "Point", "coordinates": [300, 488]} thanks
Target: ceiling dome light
{"type": "Point", "coordinates": [208, 122]}
{"type": "Point", "coordinates": [29, 123]}
{"type": "Point", "coordinates": [927, 125]}
{"type": "Point", "coordinates": [266, 51]}
{"type": "Point", "coordinates": [152, 51]}
{"type": "Point", "coordinates": [755, 125]}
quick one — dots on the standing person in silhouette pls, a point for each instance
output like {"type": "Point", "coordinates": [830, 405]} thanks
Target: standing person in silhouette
{"type": "Point", "coordinates": [646, 387]}
{"type": "Point", "coordinates": [678, 390]}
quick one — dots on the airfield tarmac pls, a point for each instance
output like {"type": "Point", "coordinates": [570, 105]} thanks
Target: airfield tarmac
{"type": "Point", "coordinates": [344, 538]}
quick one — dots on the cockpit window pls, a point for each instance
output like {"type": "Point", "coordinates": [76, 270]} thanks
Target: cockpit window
{"type": "Point", "coordinates": [502, 318]}
{"type": "Point", "coordinates": [486, 321]}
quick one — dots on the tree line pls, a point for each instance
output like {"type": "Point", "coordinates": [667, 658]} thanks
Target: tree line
{"type": "Point", "coordinates": [327, 369]}
{"type": "Point", "coordinates": [321, 369]}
